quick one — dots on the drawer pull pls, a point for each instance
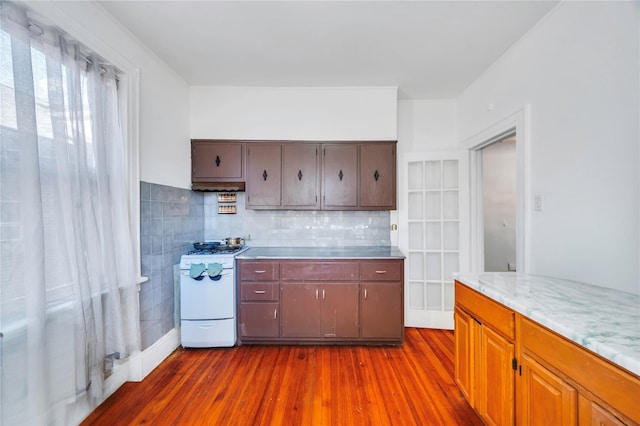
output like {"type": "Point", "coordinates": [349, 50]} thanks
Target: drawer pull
{"type": "Point", "coordinates": [262, 271]}
{"type": "Point", "coordinates": [316, 294]}
{"type": "Point", "coordinates": [259, 291]}
{"type": "Point", "coordinates": [275, 313]}
{"type": "Point", "coordinates": [323, 295]}
{"type": "Point", "coordinates": [365, 294]}
{"type": "Point", "coordinates": [381, 272]}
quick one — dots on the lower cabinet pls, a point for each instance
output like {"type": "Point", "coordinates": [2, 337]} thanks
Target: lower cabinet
{"type": "Point", "coordinates": [321, 301]}
{"type": "Point", "coordinates": [258, 320]}
{"type": "Point", "coordinates": [319, 311]}
{"type": "Point", "coordinates": [381, 311]}
{"type": "Point", "coordinates": [485, 351]}
{"type": "Point", "coordinates": [534, 376]}
{"type": "Point", "coordinates": [546, 398]}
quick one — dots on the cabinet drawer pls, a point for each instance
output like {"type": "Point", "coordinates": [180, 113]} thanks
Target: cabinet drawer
{"type": "Point", "coordinates": [259, 291]}
{"type": "Point", "coordinates": [381, 271]}
{"type": "Point", "coordinates": [258, 271]}
{"type": "Point", "coordinates": [485, 310]}
{"type": "Point", "coordinates": [319, 270]}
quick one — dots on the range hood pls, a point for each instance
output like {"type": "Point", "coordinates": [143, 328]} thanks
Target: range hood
{"type": "Point", "coordinates": [218, 186]}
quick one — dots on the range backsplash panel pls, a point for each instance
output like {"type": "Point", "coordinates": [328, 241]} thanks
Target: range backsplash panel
{"type": "Point", "coordinates": [296, 228]}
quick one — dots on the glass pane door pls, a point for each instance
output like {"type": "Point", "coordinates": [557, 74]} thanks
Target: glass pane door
{"type": "Point", "coordinates": [437, 234]}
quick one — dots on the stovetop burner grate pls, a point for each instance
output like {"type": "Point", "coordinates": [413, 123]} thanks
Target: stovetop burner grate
{"type": "Point", "coordinates": [219, 249]}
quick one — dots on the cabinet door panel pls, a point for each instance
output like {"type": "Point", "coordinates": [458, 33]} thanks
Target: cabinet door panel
{"type": "Point", "coordinates": [378, 175]}
{"type": "Point", "coordinates": [258, 320]}
{"type": "Point", "coordinates": [547, 399]}
{"type": "Point", "coordinates": [264, 176]}
{"type": "Point", "coordinates": [300, 305]}
{"type": "Point", "coordinates": [339, 310]}
{"type": "Point", "coordinates": [465, 362]}
{"type": "Point", "coordinates": [496, 374]}
{"type": "Point", "coordinates": [300, 175]}
{"type": "Point", "coordinates": [216, 160]}
{"type": "Point", "coordinates": [340, 176]}
{"type": "Point", "coordinates": [381, 306]}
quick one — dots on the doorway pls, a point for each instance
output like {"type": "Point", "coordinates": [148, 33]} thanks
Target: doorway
{"type": "Point", "coordinates": [499, 195]}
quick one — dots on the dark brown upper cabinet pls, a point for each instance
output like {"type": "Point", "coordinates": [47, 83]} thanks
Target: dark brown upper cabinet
{"type": "Point", "coordinates": [283, 176]}
{"type": "Point", "coordinates": [359, 176]}
{"type": "Point", "coordinates": [339, 176]}
{"type": "Point", "coordinates": [264, 175]}
{"type": "Point", "coordinates": [217, 165]}
{"type": "Point", "coordinates": [300, 176]}
{"type": "Point", "coordinates": [378, 176]}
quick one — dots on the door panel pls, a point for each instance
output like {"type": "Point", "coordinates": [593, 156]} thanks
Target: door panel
{"type": "Point", "coordinates": [339, 310]}
{"type": "Point", "coordinates": [435, 239]}
{"type": "Point", "coordinates": [381, 306]}
{"type": "Point", "coordinates": [258, 320]}
{"type": "Point", "coordinates": [496, 354]}
{"type": "Point", "coordinates": [264, 176]}
{"type": "Point", "coordinates": [340, 169]}
{"type": "Point", "coordinates": [547, 399]}
{"type": "Point", "coordinates": [300, 306]}
{"type": "Point", "coordinates": [378, 176]}
{"type": "Point", "coordinates": [300, 168]}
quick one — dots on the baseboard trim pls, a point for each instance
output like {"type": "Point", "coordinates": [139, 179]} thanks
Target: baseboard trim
{"type": "Point", "coordinates": [143, 363]}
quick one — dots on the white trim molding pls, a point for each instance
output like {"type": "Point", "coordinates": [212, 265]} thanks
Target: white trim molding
{"type": "Point", "coordinates": [517, 122]}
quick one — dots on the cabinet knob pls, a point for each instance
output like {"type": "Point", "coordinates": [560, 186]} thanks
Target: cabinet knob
{"type": "Point", "coordinates": [217, 161]}
{"type": "Point", "coordinates": [264, 175]}
{"type": "Point", "coordinates": [340, 175]}
{"type": "Point", "coordinates": [299, 174]}
{"type": "Point", "coordinates": [376, 175]}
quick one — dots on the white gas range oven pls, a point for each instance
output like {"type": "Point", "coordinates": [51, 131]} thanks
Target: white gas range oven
{"type": "Point", "coordinates": [208, 296]}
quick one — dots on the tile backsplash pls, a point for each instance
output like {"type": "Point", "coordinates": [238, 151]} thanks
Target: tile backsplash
{"type": "Point", "coordinates": [296, 228]}
{"type": "Point", "coordinates": [171, 219]}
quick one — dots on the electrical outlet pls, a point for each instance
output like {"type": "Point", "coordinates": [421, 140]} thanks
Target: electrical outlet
{"type": "Point", "coordinates": [538, 203]}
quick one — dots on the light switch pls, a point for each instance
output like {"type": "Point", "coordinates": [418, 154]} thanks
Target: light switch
{"type": "Point", "coordinates": [538, 202]}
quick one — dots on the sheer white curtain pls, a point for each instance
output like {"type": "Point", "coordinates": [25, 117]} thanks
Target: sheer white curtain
{"type": "Point", "coordinates": [68, 296]}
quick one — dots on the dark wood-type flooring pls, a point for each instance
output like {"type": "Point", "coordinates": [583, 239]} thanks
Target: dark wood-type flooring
{"type": "Point", "coordinates": [298, 385]}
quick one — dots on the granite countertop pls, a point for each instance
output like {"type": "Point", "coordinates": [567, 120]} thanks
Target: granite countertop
{"type": "Point", "coordinates": [381, 252]}
{"type": "Point", "coordinates": [601, 319]}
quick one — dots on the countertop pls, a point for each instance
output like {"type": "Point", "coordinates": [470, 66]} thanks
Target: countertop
{"type": "Point", "coordinates": [601, 319]}
{"type": "Point", "coordinates": [382, 252]}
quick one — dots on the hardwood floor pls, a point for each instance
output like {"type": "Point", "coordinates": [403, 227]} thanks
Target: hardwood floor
{"type": "Point", "coordinates": [298, 385]}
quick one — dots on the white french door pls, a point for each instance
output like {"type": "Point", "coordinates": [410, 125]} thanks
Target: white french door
{"type": "Point", "coordinates": [434, 234]}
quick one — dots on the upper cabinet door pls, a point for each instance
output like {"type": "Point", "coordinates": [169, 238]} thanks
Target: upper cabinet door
{"type": "Point", "coordinates": [339, 176]}
{"type": "Point", "coordinates": [264, 175]}
{"type": "Point", "coordinates": [378, 176]}
{"type": "Point", "coordinates": [216, 161]}
{"type": "Point", "coordinates": [300, 176]}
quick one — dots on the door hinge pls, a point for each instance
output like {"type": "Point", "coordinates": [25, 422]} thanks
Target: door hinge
{"type": "Point", "coordinates": [514, 364]}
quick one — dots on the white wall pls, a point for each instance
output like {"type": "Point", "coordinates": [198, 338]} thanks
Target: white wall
{"type": "Point", "coordinates": [300, 113]}
{"type": "Point", "coordinates": [165, 156]}
{"type": "Point", "coordinates": [579, 71]}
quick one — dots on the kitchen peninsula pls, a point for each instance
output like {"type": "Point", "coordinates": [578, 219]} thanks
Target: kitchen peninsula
{"type": "Point", "coordinates": [321, 295]}
{"type": "Point", "coordinates": [535, 349]}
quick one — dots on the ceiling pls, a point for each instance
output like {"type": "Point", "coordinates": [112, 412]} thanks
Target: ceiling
{"type": "Point", "coordinates": [428, 49]}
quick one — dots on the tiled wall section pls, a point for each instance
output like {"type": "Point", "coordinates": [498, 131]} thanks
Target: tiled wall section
{"type": "Point", "coordinates": [171, 219]}
{"type": "Point", "coordinates": [296, 228]}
